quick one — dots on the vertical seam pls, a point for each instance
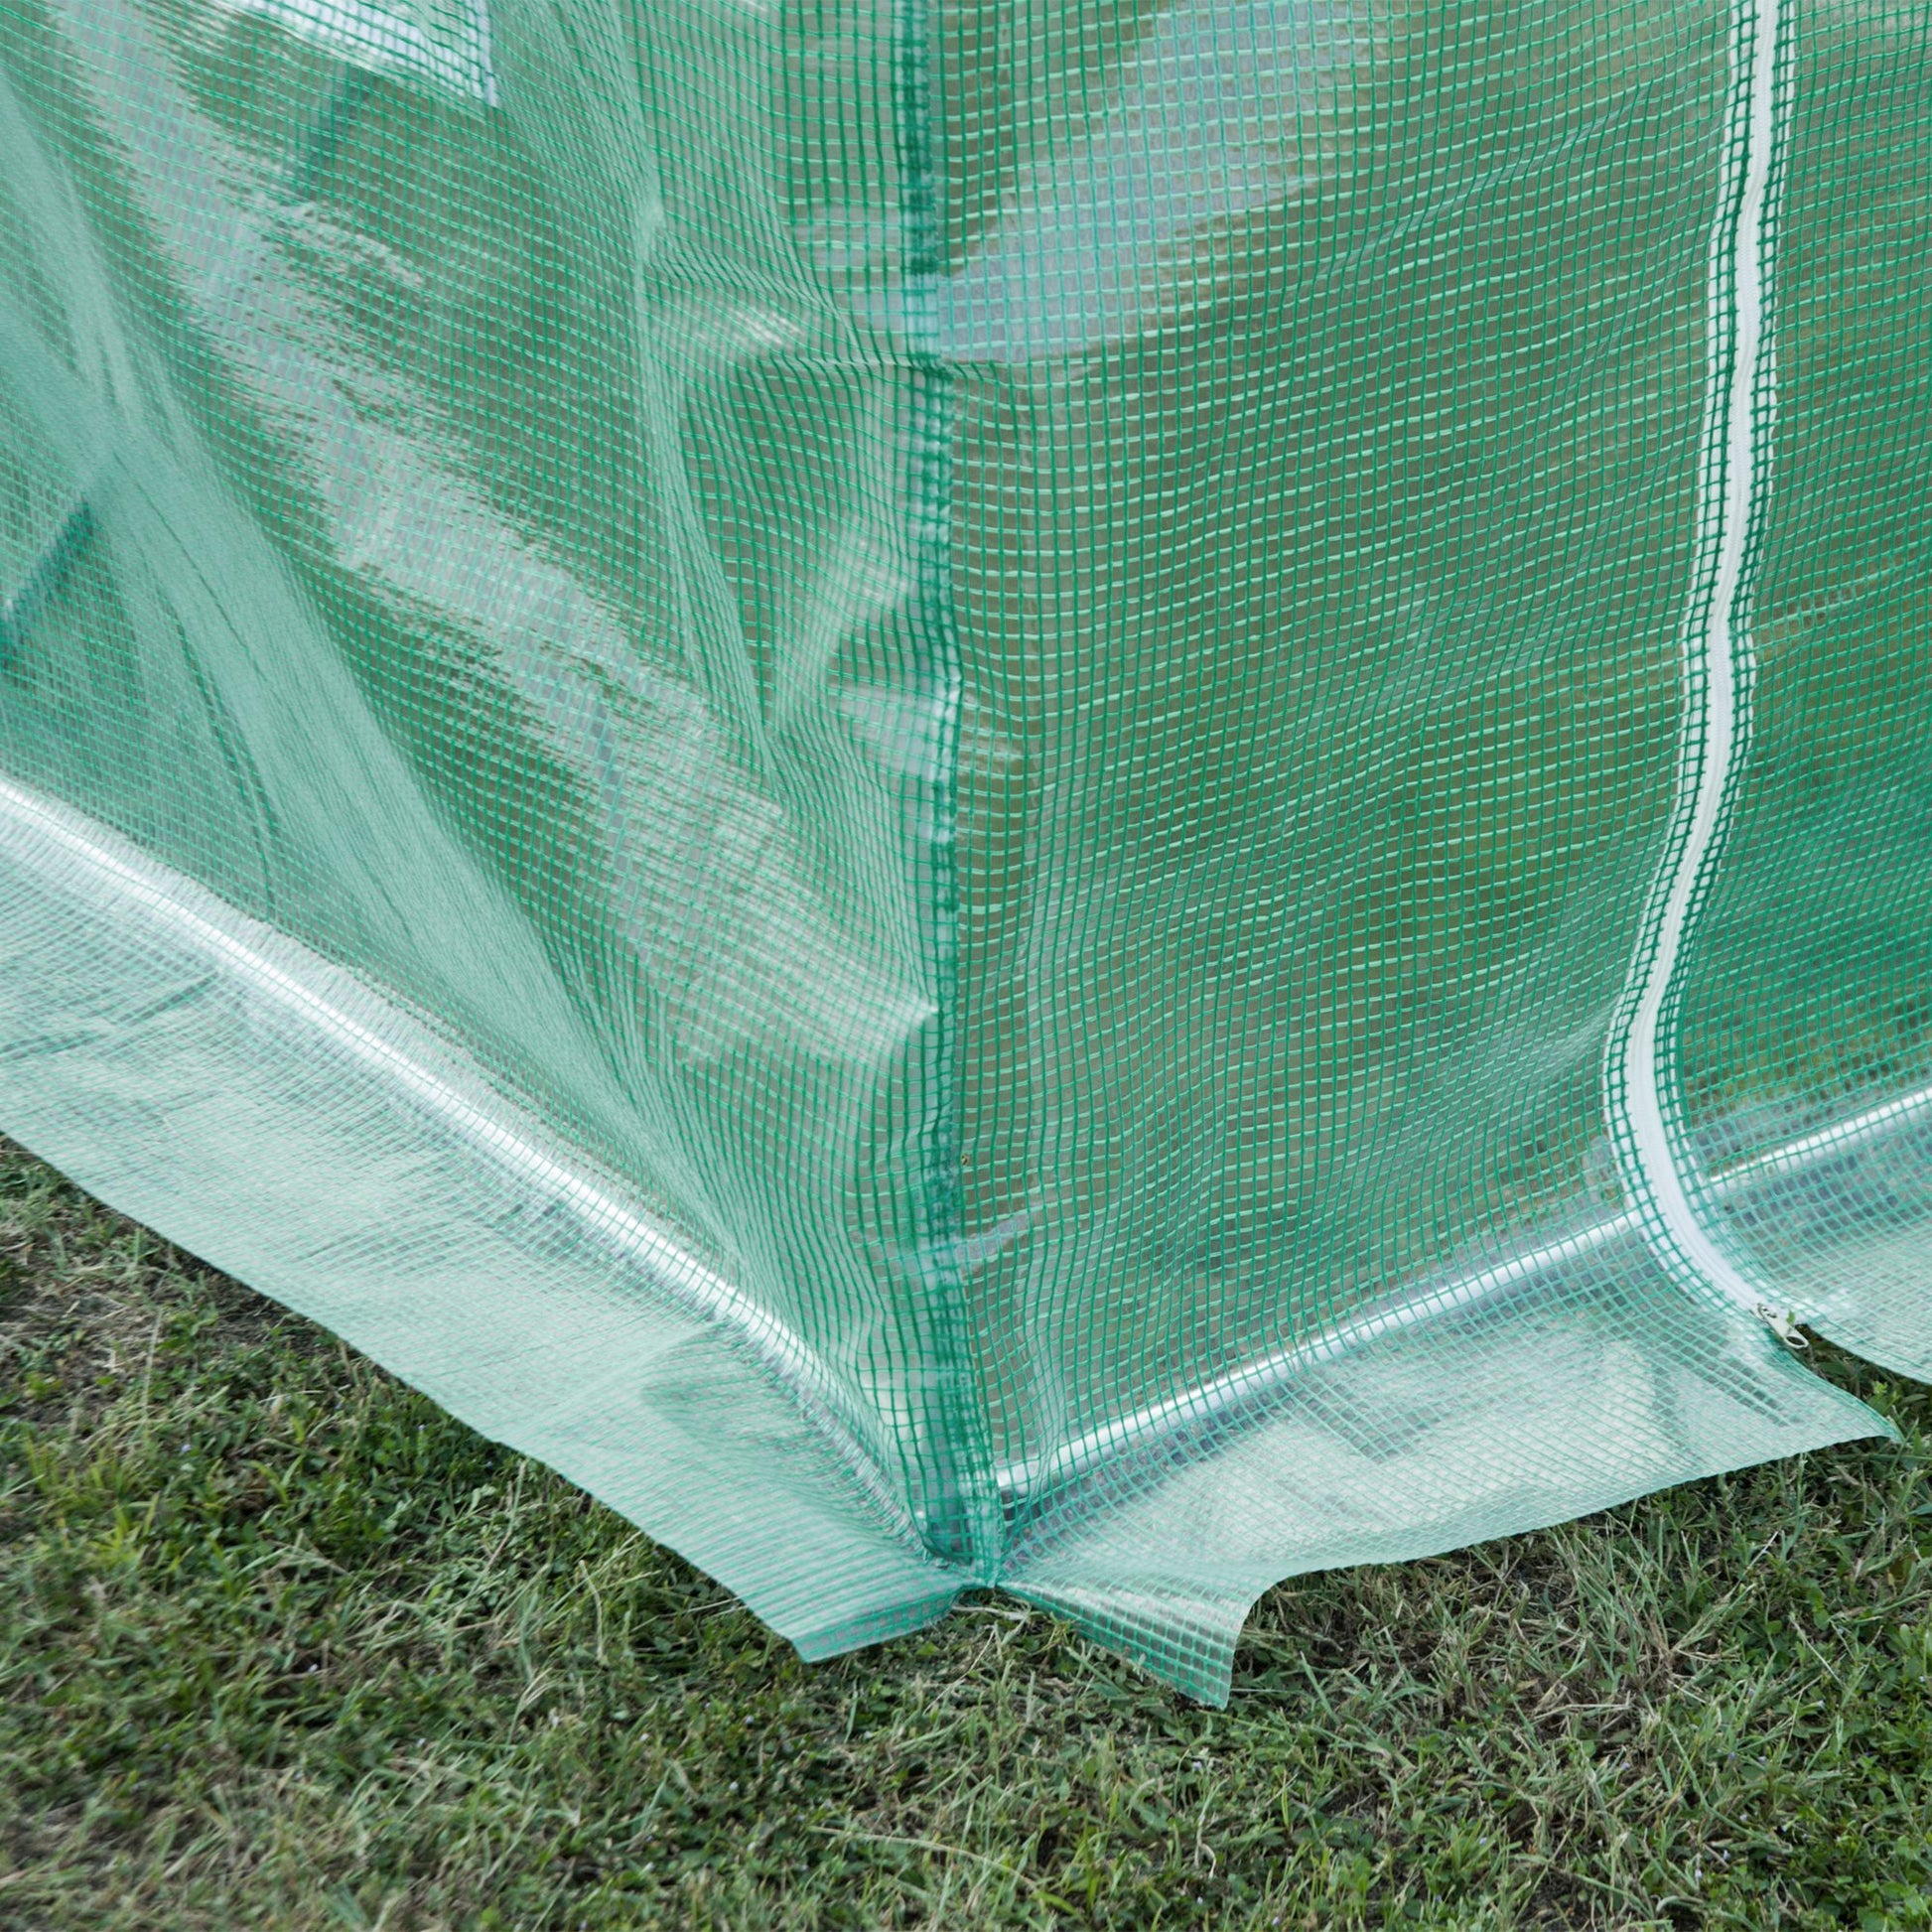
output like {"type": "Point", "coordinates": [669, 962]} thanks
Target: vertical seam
{"type": "Point", "coordinates": [959, 1508]}
{"type": "Point", "coordinates": [1641, 1072]}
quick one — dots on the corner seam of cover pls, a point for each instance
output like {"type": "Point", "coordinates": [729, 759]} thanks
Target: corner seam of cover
{"type": "Point", "coordinates": [1644, 1103]}
{"type": "Point", "coordinates": [962, 1520]}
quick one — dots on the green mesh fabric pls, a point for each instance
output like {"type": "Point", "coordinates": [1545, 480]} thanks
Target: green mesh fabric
{"type": "Point", "coordinates": [1092, 798]}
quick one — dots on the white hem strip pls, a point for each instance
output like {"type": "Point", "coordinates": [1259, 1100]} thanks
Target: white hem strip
{"type": "Point", "coordinates": [1641, 1072]}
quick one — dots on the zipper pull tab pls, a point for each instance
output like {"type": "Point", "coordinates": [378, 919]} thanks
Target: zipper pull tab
{"type": "Point", "coordinates": [1783, 1324]}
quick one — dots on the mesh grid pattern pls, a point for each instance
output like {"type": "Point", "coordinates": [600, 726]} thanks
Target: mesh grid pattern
{"type": "Point", "coordinates": [1102, 797]}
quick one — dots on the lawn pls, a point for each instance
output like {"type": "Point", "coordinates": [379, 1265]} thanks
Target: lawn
{"type": "Point", "coordinates": [285, 1646]}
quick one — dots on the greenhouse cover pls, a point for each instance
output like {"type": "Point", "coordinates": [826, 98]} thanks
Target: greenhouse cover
{"type": "Point", "coordinates": [1065, 794]}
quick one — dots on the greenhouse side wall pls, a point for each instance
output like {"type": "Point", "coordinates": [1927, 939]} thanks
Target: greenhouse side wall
{"type": "Point", "coordinates": [465, 637]}
{"type": "Point", "coordinates": [914, 780]}
{"type": "Point", "coordinates": [1338, 520]}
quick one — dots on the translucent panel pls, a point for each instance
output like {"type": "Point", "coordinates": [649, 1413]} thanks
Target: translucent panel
{"type": "Point", "coordinates": [1098, 797]}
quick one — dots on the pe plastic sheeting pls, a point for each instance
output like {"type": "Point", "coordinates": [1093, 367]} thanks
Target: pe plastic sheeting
{"type": "Point", "coordinates": [1084, 797]}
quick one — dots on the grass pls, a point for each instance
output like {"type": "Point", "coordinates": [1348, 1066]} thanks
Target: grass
{"type": "Point", "coordinates": [285, 1647]}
